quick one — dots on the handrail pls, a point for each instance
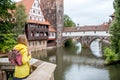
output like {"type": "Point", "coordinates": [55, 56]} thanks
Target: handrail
{"type": "Point", "coordinates": [41, 70]}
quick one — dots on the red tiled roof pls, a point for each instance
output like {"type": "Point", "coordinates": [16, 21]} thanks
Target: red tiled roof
{"type": "Point", "coordinates": [27, 4]}
{"type": "Point", "coordinates": [38, 22]}
{"type": "Point", "coordinates": [51, 38]}
{"type": "Point", "coordinates": [86, 28]}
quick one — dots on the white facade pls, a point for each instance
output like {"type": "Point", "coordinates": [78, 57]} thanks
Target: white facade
{"type": "Point", "coordinates": [86, 33]}
{"type": "Point", "coordinates": [36, 12]}
{"type": "Point", "coordinates": [37, 45]}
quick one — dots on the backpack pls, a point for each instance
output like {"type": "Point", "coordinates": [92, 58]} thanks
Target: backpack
{"type": "Point", "coordinates": [15, 57]}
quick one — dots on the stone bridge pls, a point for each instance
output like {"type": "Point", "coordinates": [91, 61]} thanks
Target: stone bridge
{"type": "Point", "coordinates": [85, 35]}
{"type": "Point", "coordinates": [87, 40]}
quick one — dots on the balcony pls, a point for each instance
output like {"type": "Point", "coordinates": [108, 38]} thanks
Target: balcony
{"type": "Point", "coordinates": [37, 38]}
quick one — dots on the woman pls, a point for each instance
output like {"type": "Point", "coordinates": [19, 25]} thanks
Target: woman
{"type": "Point", "coordinates": [21, 72]}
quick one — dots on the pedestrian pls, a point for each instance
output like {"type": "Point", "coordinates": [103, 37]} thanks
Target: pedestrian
{"type": "Point", "coordinates": [23, 71]}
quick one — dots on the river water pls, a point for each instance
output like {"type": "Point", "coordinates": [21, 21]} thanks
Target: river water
{"type": "Point", "coordinates": [76, 63]}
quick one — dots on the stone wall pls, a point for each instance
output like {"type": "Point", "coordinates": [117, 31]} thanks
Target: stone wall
{"type": "Point", "coordinates": [53, 12]}
{"type": "Point", "coordinates": [49, 11]}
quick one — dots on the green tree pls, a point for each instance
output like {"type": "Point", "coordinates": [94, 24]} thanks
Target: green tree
{"type": "Point", "coordinates": [68, 21]}
{"type": "Point", "coordinates": [6, 25]}
{"type": "Point", "coordinates": [113, 54]}
{"type": "Point", "coordinates": [115, 28]}
{"type": "Point", "coordinates": [21, 18]}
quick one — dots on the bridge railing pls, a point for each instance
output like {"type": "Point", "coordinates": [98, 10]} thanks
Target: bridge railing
{"type": "Point", "coordinates": [41, 70]}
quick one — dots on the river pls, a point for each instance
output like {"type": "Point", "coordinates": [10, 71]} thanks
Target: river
{"type": "Point", "coordinates": [76, 63]}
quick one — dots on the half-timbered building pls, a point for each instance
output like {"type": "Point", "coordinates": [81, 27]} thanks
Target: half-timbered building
{"type": "Point", "coordinates": [37, 27]}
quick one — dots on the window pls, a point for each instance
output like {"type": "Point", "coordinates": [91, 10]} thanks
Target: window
{"type": "Point", "coordinates": [33, 43]}
{"type": "Point", "coordinates": [52, 34]}
{"type": "Point", "coordinates": [41, 34]}
{"type": "Point", "coordinates": [43, 42]}
{"type": "Point", "coordinates": [37, 34]}
{"type": "Point", "coordinates": [36, 43]}
{"type": "Point", "coordinates": [30, 17]}
{"type": "Point", "coordinates": [45, 34]}
{"type": "Point", "coordinates": [38, 12]}
{"type": "Point", "coordinates": [34, 4]}
{"type": "Point", "coordinates": [33, 11]}
{"type": "Point", "coordinates": [40, 42]}
{"type": "Point", "coordinates": [32, 34]}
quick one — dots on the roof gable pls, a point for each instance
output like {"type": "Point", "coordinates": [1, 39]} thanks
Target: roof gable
{"type": "Point", "coordinates": [27, 4]}
{"type": "Point", "coordinates": [33, 9]}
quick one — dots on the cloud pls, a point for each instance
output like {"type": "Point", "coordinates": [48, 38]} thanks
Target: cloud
{"type": "Point", "coordinates": [88, 12]}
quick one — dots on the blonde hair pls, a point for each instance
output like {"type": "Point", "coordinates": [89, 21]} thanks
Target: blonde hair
{"type": "Point", "coordinates": [22, 39]}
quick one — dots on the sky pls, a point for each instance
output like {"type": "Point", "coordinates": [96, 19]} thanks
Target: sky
{"type": "Point", "coordinates": [88, 12]}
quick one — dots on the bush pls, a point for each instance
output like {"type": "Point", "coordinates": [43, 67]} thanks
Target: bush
{"type": "Point", "coordinates": [110, 56]}
{"type": "Point", "coordinates": [7, 41]}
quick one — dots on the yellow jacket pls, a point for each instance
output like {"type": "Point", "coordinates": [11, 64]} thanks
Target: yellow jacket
{"type": "Point", "coordinates": [23, 70]}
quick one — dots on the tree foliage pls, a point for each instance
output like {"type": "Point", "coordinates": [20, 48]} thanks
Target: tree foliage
{"type": "Point", "coordinates": [68, 21]}
{"type": "Point", "coordinates": [6, 25]}
{"type": "Point", "coordinates": [115, 38]}
{"type": "Point", "coordinates": [7, 42]}
{"type": "Point", "coordinates": [115, 28]}
{"type": "Point", "coordinates": [21, 18]}
{"type": "Point", "coordinates": [69, 43]}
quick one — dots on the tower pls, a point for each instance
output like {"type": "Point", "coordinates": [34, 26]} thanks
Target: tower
{"type": "Point", "coordinates": [53, 12]}
{"type": "Point", "coordinates": [59, 21]}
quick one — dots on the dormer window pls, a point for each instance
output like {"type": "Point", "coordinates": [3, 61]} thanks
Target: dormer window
{"type": "Point", "coordinates": [38, 12]}
{"type": "Point", "coordinates": [33, 11]}
{"type": "Point", "coordinates": [34, 4]}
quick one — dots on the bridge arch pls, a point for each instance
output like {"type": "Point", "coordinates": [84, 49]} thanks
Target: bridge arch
{"type": "Point", "coordinates": [66, 38]}
{"type": "Point", "coordinates": [93, 39]}
{"type": "Point", "coordinates": [102, 38]}
{"type": "Point", "coordinates": [87, 40]}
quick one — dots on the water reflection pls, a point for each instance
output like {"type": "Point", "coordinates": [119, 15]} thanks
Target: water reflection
{"type": "Point", "coordinates": [75, 64]}
{"type": "Point", "coordinates": [79, 48]}
{"type": "Point", "coordinates": [40, 54]}
{"type": "Point", "coordinates": [85, 72]}
{"type": "Point", "coordinates": [114, 71]}
{"type": "Point", "coordinates": [96, 48]}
